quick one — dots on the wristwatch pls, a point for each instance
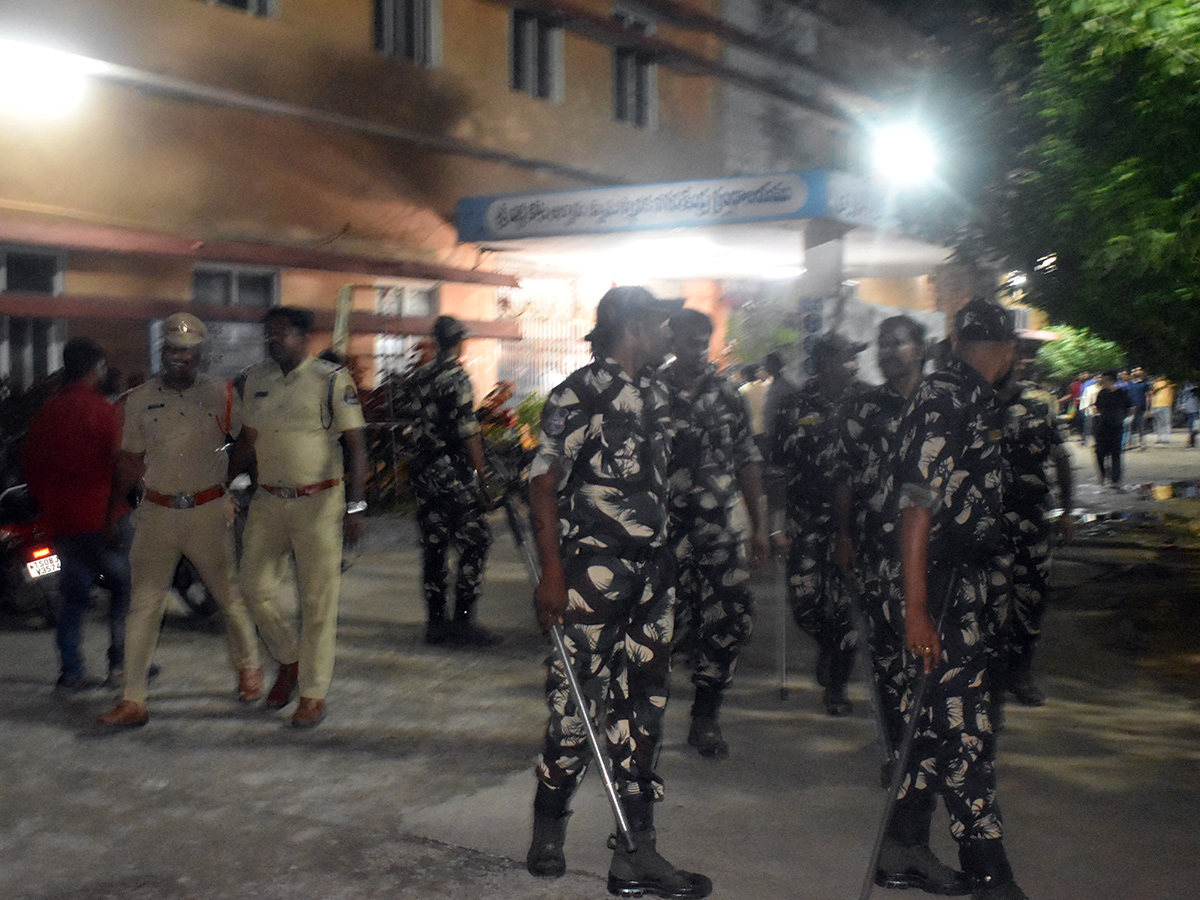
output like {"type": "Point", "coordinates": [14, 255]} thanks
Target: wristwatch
{"type": "Point", "coordinates": [356, 506]}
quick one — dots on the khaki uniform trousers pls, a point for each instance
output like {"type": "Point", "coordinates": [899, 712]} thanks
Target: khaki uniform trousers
{"type": "Point", "coordinates": [161, 536]}
{"type": "Point", "coordinates": [311, 529]}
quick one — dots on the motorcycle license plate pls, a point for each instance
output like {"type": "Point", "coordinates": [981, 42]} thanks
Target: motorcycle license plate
{"type": "Point", "coordinates": [44, 566]}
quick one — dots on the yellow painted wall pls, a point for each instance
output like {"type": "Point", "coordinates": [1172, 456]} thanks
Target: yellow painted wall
{"type": "Point", "coordinates": [906, 293]}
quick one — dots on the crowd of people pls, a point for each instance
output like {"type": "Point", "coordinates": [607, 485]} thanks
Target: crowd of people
{"type": "Point", "coordinates": [910, 518]}
{"type": "Point", "coordinates": [1119, 410]}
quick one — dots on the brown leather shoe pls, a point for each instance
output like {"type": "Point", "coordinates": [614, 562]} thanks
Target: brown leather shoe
{"type": "Point", "coordinates": [125, 714]}
{"type": "Point", "coordinates": [250, 684]}
{"type": "Point", "coordinates": [284, 687]}
{"type": "Point", "coordinates": [309, 714]}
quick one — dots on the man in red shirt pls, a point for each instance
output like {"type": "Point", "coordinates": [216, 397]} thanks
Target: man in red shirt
{"type": "Point", "coordinates": [70, 453]}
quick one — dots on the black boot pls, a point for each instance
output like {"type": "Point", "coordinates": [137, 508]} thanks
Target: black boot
{"type": "Point", "coordinates": [437, 629]}
{"type": "Point", "coordinates": [905, 860]}
{"type": "Point", "coordinates": [1020, 680]}
{"type": "Point", "coordinates": [837, 701]}
{"type": "Point", "coordinates": [642, 871]}
{"type": "Point", "coordinates": [824, 662]}
{"type": "Point", "coordinates": [986, 866]}
{"type": "Point", "coordinates": [705, 734]}
{"type": "Point", "coordinates": [546, 858]}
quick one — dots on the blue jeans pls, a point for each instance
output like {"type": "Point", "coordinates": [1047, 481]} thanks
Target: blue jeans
{"type": "Point", "coordinates": [84, 556]}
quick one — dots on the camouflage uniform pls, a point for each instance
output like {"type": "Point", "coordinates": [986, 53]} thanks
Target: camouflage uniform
{"type": "Point", "coordinates": [713, 442]}
{"type": "Point", "coordinates": [450, 500]}
{"type": "Point", "coordinates": [605, 438]}
{"type": "Point", "coordinates": [1031, 439]}
{"type": "Point", "coordinates": [805, 447]}
{"type": "Point", "coordinates": [949, 460]}
{"type": "Point", "coordinates": [867, 438]}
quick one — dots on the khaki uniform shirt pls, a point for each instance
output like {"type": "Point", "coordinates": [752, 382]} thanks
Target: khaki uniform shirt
{"type": "Point", "coordinates": [299, 418]}
{"type": "Point", "coordinates": [181, 433]}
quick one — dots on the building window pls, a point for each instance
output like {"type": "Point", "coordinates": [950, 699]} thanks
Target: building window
{"type": "Point", "coordinates": [235, 286]}
{"type": "Point", "coordinates": [30, 272]}
{"type": "Point", "coordinates": [30, 348]}
{"type": "Point", "coordinates": [407, 300]}
{"type": "Point", "coordinates": [536, 44]}
{"type": "Point", "coordinates": [635, 77]}
{"type": "Point", "coordinates": [254, 7]}
{"type": "Point", "coordinates": [409, 29]}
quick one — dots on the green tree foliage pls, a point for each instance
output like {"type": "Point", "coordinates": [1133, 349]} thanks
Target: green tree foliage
{"type": "Point", "coordinates": [764, 324]}
{"type": "Point", "coordinates": [1077, 350]}
{"type": "Point", "coordinates": [1103, 204]}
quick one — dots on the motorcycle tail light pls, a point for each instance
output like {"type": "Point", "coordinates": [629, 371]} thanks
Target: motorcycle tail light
{"type": "Point", "coordinates": [40, 552]}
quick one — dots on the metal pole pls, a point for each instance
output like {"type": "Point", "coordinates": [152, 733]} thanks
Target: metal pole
{"type": "Point", "coordinates": [861, 624]}
{"type": "Point", "coordinates": [781, 627]}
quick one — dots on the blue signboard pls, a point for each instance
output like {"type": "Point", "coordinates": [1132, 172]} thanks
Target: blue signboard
{"type": "Point", "coordinates": [817, 193]}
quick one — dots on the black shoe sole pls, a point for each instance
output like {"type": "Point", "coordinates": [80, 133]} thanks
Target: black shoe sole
{"type": "Point", "coordinates": [902, 881]}
{"type": "Point", "coordinates": [698, 887]}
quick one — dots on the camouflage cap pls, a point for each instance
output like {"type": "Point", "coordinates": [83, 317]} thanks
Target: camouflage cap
{"type": "Point", "coordinates": [183, 330]}
{"type": "Point", "coordinates": [983, 320]}
{"type": "Point", "coordinates": [621, 305]}
{"type": "Point", "coordinates": [448, 331]}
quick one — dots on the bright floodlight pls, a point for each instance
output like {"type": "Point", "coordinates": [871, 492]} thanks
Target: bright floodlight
{"type": "Point", "coordinates": [42, 82]}
{"type": "Point", "coordinates": [904, 154]}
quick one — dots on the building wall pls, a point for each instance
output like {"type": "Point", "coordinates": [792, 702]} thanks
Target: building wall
{"type": "Point", "coordinates": [907, 293]}
{"type": "Point", "coordinates": [129, 158]}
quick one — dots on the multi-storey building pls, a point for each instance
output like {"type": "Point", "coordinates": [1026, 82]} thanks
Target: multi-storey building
{"type": "Point", "coordinates": [227, 155]}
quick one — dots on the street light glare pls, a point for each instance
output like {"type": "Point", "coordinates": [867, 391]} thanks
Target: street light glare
{"type": "Point", "coordinates": [39, 81]}
{"type": "Point", "coordinates": [904, 154]}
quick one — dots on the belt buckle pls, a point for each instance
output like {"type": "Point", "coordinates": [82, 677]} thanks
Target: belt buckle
{"type": "Point", "coordinates": [184, 501]}
{"type": "Point", "coordinates": [287, 493]}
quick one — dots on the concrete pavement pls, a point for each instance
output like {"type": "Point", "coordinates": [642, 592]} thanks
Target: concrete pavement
{"type": "Point", "coordinates": [419, 783]}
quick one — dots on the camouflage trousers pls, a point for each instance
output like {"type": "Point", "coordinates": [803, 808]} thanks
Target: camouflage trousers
{"type": "Point", "coordinates": [885, 644]}
{"type": "Point", "coordinates": [1030, 584]}
{"type": "Point", "coordinates": [452, 515]}
{"type": "Point", "coordinates": [618, 627]}
{"type": "Point", "coordinates": [819, 601]}
{"type": "Point", "coordinates": [953, 751]}
{"type": "Point", "coordinates": [713, 611]}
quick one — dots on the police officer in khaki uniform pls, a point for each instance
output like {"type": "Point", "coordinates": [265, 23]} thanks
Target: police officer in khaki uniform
{"type": "Point", "coordinates": [174, 435]}
{"type": "Point", "coordinates": [295, 409]}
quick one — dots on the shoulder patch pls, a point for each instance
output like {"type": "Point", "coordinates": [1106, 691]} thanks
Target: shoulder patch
{"type": "Point", "coordinates": [351, 396]}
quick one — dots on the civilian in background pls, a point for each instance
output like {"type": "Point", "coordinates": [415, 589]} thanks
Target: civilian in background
{"type": "Point", "coordinates": [70, 458]}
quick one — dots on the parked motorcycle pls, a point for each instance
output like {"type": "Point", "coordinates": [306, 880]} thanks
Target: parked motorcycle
{"type": "Point", "coordinates": [29, 566]}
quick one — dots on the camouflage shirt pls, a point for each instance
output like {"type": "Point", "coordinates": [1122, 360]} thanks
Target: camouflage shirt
{"type": "Point", "coordinates": [867, 438]}
{"type": "Point", "coordinates": [1031, 438]}
{"type": "Point", "coordinates": [713, 441]}
{"type": "Point", "coordinates": [443, 410]}
{"type": "Point", "coordinates": [948, 460]}
{"type": "Point", "coordinates": [805, 448]}
{"type": "Point", "coordinates": [605, 438]}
